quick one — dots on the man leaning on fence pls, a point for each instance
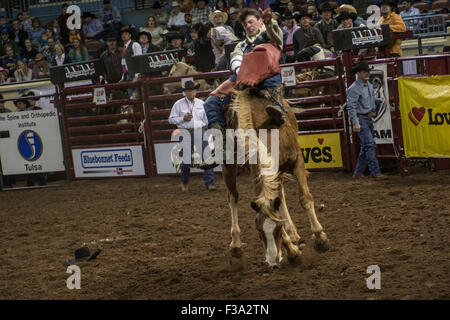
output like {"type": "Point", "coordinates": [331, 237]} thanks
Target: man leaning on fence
{"type": "Point", "coordinates": [361, 105]}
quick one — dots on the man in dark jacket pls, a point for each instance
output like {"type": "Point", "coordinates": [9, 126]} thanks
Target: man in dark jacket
{"type": "Point", "coordinates": [306, 32]}
{"type": "Point", "coordinates": [17, 35]}
{"type": "Point", "coordinates": [111, 59]}
{"type": "Point", "coordinates": [327, 24]}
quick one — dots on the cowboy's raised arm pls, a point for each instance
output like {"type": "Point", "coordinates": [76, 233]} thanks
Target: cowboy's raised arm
{"type": "Point", "coordinates": [273, 30]}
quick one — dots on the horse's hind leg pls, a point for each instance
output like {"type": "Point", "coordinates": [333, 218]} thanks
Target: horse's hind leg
{"type": "Point", "coordinates": [229, 176]}
{"type": "Point", "coordinates": [288, 224]}
{"type": "Point", "coordinates": [307, 202]}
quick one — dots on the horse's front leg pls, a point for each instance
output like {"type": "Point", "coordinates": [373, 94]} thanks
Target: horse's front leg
{"type": "Point", "coordinates": [229, 176]}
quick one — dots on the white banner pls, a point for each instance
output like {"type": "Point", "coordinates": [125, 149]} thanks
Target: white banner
{"type": "Point", "coordinates": [382, 121]}
{"type": "Point", "coordinates": [288, 76]}
{"type": "Point", "coordinates": [108, 162]}
{"type": "Point", "coordinates": [30, 142]}
{"type": "Point", "coordinates": [167, 156]}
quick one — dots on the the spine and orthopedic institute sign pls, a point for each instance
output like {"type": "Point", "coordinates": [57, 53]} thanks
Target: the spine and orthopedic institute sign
{"type": "Point", "coordinates": [425, 114]}
{"type": "Point", "coordinates": [108, 162]}
{"type": "Point", "coordinates": [30, 142]}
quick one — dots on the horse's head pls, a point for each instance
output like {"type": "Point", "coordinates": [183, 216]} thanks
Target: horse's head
{"type": "Point", "coordinates": [269, 228]}
{"type": "Point", "coordinates": [179, 69]}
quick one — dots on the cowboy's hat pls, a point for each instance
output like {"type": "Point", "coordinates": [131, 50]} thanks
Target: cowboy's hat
{"type": "Point", "coordinates": [27, 103]}
{"type": "Point", "coordinates": [363, 65]}
{"type": "Point", "coordinates": [301, 14]}
{"type": "Point", "coordinates": [190, 85]}
{"type": "Point", "coordinates": [111, 36]}
{"type": "Point", "coordinates": [218, 12]}
{"type": "Point", "coordinates": [173, 35]}
{"type": "Point", "coordinates": [128, 29]}
{"type": "Point", "coordinates": [344, 15]}
{"type": "Point", "coordinates": [83, 255]}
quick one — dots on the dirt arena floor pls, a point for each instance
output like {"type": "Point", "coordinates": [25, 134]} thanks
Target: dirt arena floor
{"type": "Point", "coordinates": [159, 243]}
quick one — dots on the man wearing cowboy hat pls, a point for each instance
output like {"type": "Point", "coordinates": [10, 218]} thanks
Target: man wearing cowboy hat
{"type": "Point", "coordinates": [174, 40]}
{"type": "Point", "coordinates": [188, 113]}
{"type": "Point", "coordinates": [111, 59]}
{"type": "Point", "coordinates": [130, 49]}
{"type": "Point", "coordinates": [220, 36]}
{"type": "Point", "coordinates": [290, 26]}
{"type": "Point", "coordinates": [361, 105]}
{"type": "Point", "coordinates": [306, 32]}
{"type": "Point", "coordinates": [396, 24]}
{"type": "Point", "coordinates": [327, 24]}
{"type": "Point", "coordinates": [176, 19]}
{"type": "Point", "coordinates": [201, 12]}
{"type": "Point", "coordinates": [92, 27]}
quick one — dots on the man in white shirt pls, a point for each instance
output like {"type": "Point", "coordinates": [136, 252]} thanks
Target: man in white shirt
{"type": "Point", "coordinates": [130, 49]}
{"type": "Point", "coordinates": [188, 113]}
{"type": "Point", "coordinates": [176, 19]}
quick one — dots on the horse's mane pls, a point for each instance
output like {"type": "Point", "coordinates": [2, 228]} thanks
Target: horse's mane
{"type": "Point", "coordinates": [188, 66]}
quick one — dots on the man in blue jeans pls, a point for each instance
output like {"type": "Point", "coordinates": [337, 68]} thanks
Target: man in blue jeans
{"type": "Point", "coordinates": [361, 106]}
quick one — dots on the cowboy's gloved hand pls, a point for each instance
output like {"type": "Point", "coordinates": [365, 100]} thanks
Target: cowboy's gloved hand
{"type": "Point", "coordinates": [266, 15]}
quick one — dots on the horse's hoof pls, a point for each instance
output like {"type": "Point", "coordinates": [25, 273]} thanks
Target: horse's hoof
{"type": "Point", "coordinates": [295, 260]}
{"type": "Point", "coordinates": [236, 252]}
{"type": "Point", "coordinates": [321, 243]}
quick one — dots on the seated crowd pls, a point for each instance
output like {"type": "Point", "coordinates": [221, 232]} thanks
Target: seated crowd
{"type": "Point", "coordinates": [200, 27]}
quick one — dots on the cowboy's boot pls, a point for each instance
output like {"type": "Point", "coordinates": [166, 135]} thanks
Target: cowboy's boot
{"type": "Point", "coordinates": [276, 110]}
{"type": "Point", "coordinates": [209, 163]}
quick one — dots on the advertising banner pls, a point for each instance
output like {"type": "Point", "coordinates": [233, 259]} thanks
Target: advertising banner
{"type": "Point", "coordinates": [382, 123]}
{"type": "Point", "coordinates": [425, 114]}
{"type": "Point", "coordinates": [321, 150]}
{"type": "Point", "coordinates": [108, 162]}
{"type": "Point", "coordinates": [30, 142]}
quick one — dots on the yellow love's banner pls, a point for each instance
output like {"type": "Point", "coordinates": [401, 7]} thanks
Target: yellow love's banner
{"type": "Point", "coordinates": [425, 114]}
{"type": "Point", "coordinates": [321, 150]}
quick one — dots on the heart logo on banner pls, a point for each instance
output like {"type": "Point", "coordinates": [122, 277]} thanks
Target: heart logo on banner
{"type": "Point", "coordinates": [320, 141]}
{"type": "Point", "coordinates": [416, 115]}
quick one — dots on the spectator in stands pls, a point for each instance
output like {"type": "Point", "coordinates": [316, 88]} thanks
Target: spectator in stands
{"type": "Point", "coordinates": [92, 27]}
{"type": "Point", "coordinates": [78, 52]}
{"type": "Point", "coordinates": [280, 6]}
{"type": "Point", "coordinates": [234, 23]}
{"type": "Point", "coordinates": [17, 35]}
{"type": "Point", "coordinates": [41, 68]}
{"type": "Point", "coordinates": [186, 5]}
{"type": "Point", "coordinates": [239, 4]}
{"type": "Point", "coordinates": [409, 11]}
{"type": "Point", "coordinates": [174, 40]}
{"type": "Point", "coordinates": [4, 41]}
{"type": "Point", "coordinates": [351, 9]}
{"type": "Point", "coordinates": [396, 24]}
{"type": "Point", "coordinates": [312, 10]}
{"type": "Point", "coordinates": [75, 34]}
{"type": "Point", "coordinates": [62, 22]}
{"type": "Point", "coordinates": [152, 27]}
{"type": "Point", "coordinates": [348, 20]}
{"type": "Point", "coordinates": [111, 59]}
{"type": "Point", "coordinates": [161, 16]}
{"type": "Point", "coordinates": [305, 32]}
{"type": "Point", "coordinates": [56, 30]}
{"type": "Point", "coordinates": [49, 50]}
{"type": "Point", "coordinates": [145, 40]}
{"type": "Point", "coordinates": [60, 56]}
{"type": "Point", "coordinates": [110, 17]}
{"type": "Point", "coordinates": [290, 25]}
{"type": "Point", "coordinates": [186, 29]}
{"type": "Point", "coordinates": [27, 22]}
{"type": "Point", "coordinates": [313, 51]}
{"type": "Point", "coordinates": [259, 4]}
{"type": "Point", "coordinates": [327, 24]}
{"type": "Point", "coordinates": [28, 53]}
{"type": "Point", "coordinates": [221, 5]}
{"type": "Point", "coordinates": [9, 61]}
{"type": "Point", "coordinates": [188, 113]}
{"type": "Point", "coordinates": [36, 33]}
{"type": "Point", "coordinates": [201, 12]}
{"type": "Point", "coordinates": [4, 76]}
{"type": "Point", "coordinates": [23, 73]}
{"type": "Point", "coordinates": [4, 25]}
{"type": "Point", "coordinates": [220, 36]}
{"type": "Point", "coordinates": [204, 56]}
{"type": "Point", "coordinates": [361, 106]}
{"type": "Point", "coordinates": [130, 49]}
{"type": "Point", "coordinates": [176, 19]}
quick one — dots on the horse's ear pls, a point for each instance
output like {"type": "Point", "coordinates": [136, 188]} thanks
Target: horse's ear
{"type": "Point", "coordinates": [254, 206]}
{"type": "Point", "coordinates": [276, 203]}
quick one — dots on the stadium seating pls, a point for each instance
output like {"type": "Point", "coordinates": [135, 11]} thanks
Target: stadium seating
{"type": "Point", "coordinates": [422, 6]}
{"type": "Point", "coordinates": [440, 4]}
